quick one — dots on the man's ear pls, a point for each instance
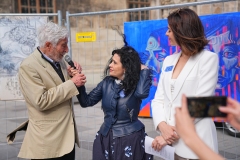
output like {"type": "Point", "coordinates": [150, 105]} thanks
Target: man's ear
{"type": "Point", "coordinates": [48, 45]}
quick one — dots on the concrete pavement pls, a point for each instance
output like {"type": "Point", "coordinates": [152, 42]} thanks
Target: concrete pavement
{"type": "Point", "coordinates": [12, 113]}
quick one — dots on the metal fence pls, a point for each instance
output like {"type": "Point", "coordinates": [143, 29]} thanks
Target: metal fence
{"type": "Point", "coordinates": [58, 14]}
{"type": "Point", "coordinates": [93, 57]}
{"type": "Point", "coordinates": [14, 112]}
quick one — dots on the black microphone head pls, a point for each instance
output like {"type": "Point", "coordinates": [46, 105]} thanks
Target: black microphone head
{"type": "Point", "coordinates": [68, 58]}
{"type": "Point", "coordinates": [69, 61]}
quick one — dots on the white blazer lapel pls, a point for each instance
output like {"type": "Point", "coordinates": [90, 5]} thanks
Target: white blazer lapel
{"type": "Point", "coordinates": [184, 73]}
{"type": "Point", "coordinates": [168, 75]}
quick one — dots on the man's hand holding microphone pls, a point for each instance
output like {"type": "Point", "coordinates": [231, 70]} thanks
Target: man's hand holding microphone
{"type": "Point", "coordinates": [74, 70]}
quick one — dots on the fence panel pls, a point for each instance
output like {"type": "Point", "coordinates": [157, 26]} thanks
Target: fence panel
{"type": "Point", "coordinates": [93, 57]}
{"type": "Point", "coordinates": [15, 42]}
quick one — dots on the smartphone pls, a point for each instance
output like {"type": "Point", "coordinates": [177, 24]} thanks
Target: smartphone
{"type": "Point", "coordinates": [206, 106]}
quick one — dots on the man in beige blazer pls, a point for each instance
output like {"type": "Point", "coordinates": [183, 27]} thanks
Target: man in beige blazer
{"type": "Point", "coordinates": [48, 88]}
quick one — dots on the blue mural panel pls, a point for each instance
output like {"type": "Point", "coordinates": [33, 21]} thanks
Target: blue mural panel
{"type": "Point", "coordinates": [222, 31]}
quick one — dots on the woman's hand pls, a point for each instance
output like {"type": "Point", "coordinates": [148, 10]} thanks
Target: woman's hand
{"type": "Point", "coordinates": [168, 133]}
{"type": "Point", "coordinates": [72, 71]}
{"type": "Point", "coordinates": [184, 123]}
{"type": "Point", "coordinates": [158, 143]}
{"type": "Point", "coordinates": [187, 132]}
{"type": "Point", "coordinates": [233, 112]}
{"type": "Point", "coordinates": [143, 66]}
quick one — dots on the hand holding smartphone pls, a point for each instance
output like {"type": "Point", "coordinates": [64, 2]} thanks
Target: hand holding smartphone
{"type": "Point", "coordinates": [200, 107]}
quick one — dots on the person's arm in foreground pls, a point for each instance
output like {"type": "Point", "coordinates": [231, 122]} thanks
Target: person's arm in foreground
{"type": "Point", "coordinates": [186, 130]}
{"type": "Point", "coordinates": [233, 112]}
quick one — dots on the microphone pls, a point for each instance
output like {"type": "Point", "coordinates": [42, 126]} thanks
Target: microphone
{"type": "Point", "coordinates": [69, 61]}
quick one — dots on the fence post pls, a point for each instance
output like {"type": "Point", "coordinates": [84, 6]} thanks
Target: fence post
{"type": "Point", "coordinates": [59, 18]}
{"type": "Point", "coordinates": [69, 31]}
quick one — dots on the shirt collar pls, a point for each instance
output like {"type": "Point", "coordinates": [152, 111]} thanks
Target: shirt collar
{"type": "Point", "coordinates": [118, 81]}
{"type": "Point", "coordinates": [45, 56]}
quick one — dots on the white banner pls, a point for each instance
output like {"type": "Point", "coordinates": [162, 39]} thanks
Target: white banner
{"type": "Point", "coordinates": [18, 39]}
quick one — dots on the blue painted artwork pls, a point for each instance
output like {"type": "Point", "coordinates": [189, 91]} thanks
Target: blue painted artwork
{"type": "Point", "coordinates": [222, 31]}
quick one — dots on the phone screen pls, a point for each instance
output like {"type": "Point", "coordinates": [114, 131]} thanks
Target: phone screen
{"type": "Point", "coordinates": [206, 106]}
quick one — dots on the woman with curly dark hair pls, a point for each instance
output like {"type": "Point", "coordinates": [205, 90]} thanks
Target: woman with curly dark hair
{"type": "Point", "coordinates": [126, 83]}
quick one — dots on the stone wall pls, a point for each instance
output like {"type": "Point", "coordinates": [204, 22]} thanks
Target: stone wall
{"type": "Point", "coordinates": [76, 6]}
{"type": "Point", "coordinates": [8, 6]}
{"type": "Point", "coordinates": [94, 55]}
{"type": "Point", "coordinates": [231, 6]}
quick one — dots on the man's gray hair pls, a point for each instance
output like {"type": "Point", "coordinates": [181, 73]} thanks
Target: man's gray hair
{"type": "Point", "coordinates": [51, 32]}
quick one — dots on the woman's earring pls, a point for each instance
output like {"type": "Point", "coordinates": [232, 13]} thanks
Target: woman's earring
{"type": "Point", "coordinates": [123, 75]}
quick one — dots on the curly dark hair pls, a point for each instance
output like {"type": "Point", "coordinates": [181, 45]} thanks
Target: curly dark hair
{"type": "Point", "coordinates": [188, 30]}
{"type": "Point", "coordinates": [131, 62]}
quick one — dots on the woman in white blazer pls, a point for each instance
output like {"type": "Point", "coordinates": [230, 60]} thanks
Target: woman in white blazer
{"type": "Point", "coordinates": [193, 72]}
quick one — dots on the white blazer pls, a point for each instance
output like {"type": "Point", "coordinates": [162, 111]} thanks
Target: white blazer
{"type": "Point", "coordinates": [197, 78]}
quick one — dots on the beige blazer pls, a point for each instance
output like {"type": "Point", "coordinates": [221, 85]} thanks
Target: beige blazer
{"type": "Point", "coordinates": [51, 129]}
{"type": "Point", "coordinates": [198, 78]}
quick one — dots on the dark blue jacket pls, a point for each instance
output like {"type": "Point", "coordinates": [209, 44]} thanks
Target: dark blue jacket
{"type": "Point", "coordinates": [120, 113]}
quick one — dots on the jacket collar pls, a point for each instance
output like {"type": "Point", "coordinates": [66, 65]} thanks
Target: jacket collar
{"type": "Point", "coordinates": [182, 76]}
{"type": "Point", "coordinates": [49, 69]}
